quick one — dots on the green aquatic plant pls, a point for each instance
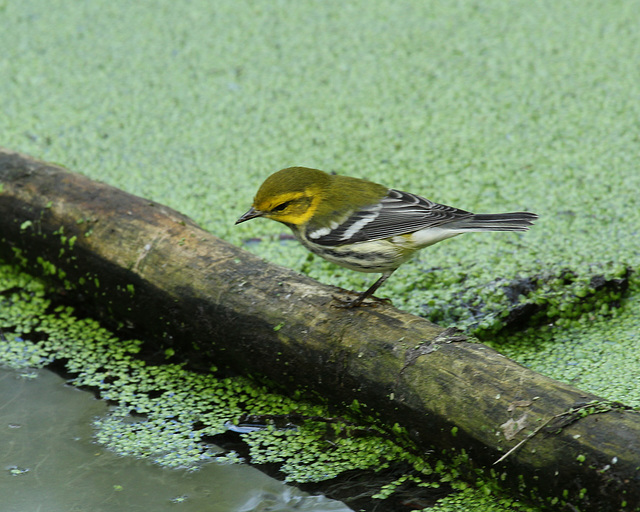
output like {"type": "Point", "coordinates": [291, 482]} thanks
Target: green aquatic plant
{"type": "Point", "coordinates": [174, 416]}
{"type": "Point", "coordinates": [171, 414]}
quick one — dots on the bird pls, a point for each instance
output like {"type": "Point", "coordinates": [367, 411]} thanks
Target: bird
{"type": "Point", "coordinates": [365, 226]}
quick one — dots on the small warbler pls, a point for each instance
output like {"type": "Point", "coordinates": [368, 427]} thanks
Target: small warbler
{"type": "Point", "coordinates": [364, 226]}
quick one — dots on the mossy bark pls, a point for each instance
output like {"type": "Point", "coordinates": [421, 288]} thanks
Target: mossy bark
{"type": "Point", "coordinates": [139, 263]}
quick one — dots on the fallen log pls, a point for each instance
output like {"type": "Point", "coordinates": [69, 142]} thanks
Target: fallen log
{"type": "Point", "coordinates": [138, 262]}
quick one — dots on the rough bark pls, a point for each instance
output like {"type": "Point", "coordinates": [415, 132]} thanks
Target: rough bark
{"type": "Point", "coordinates": [142, 263]}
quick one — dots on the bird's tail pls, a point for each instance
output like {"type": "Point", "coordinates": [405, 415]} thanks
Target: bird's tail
{"type": "Point", "coordinates": [516, 221]}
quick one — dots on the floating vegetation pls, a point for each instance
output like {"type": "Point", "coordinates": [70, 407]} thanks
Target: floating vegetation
{"type": "Point", "coordinates": [176, 417]}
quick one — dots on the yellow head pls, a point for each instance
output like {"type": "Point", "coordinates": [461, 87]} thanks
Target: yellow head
{"type": "Point", "coordinates": [290, 196]}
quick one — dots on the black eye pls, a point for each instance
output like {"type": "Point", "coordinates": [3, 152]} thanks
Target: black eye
{"type": "Point", "coordinates": [281, 206]}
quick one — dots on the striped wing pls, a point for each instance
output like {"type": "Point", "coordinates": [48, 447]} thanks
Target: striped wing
{"type": "Point", "coordinates": [397, 213]}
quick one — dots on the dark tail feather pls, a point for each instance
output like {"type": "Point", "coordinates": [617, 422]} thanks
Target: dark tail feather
{"type": "Point", "coordinates": [516, 221]}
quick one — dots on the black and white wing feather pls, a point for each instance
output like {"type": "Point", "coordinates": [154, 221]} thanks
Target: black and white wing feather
{"type": "Point", "coordinates": [398, 213]}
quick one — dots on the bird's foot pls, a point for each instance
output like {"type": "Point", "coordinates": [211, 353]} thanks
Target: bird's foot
{"type": "Point", "coordinates": [374, 302]}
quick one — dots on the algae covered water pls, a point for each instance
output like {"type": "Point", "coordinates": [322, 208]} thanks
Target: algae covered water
{"type": "Point", "coordinates": [150, 441]}
{"type": "Point", "coordinates": [50, 462]}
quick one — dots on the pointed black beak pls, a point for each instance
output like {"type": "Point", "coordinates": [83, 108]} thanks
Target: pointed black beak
{"type": "Point", "coordinates": [251, 214]}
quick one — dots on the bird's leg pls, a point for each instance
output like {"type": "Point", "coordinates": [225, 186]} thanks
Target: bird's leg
{"type": "Point", "coordinates": [358, 301]}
